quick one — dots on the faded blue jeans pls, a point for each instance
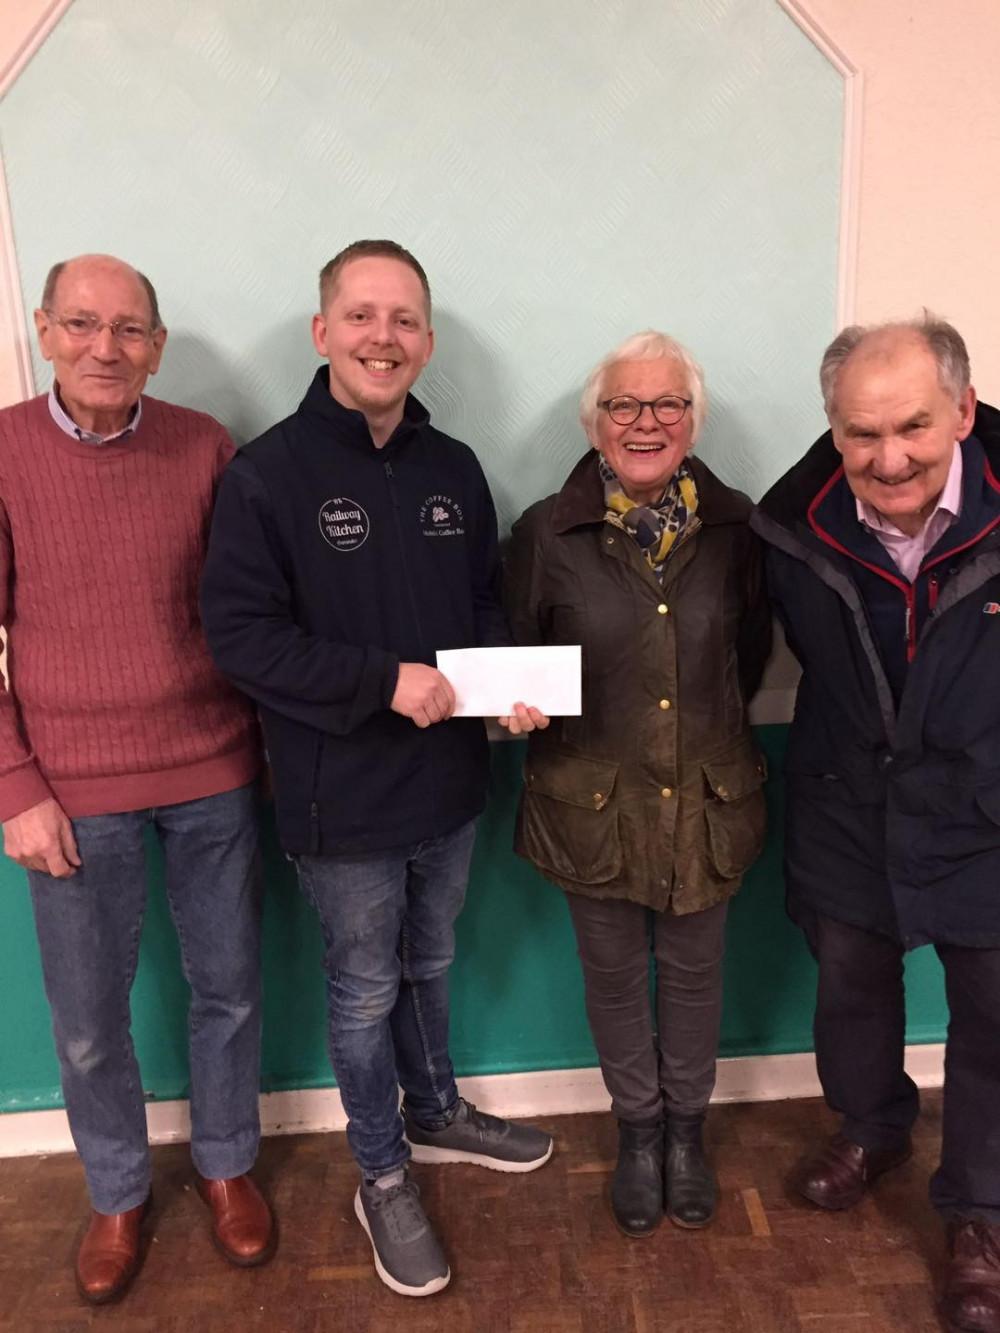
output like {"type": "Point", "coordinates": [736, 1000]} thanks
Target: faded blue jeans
{"type": "Point", "coordinates": [88, 930]}
{"type": "Point", "coordinates": [388, 922]}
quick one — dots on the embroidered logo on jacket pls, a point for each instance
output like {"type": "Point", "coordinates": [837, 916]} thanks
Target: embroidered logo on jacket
{"type": "Point", "coordinates": [343, 523]}
{"type": "Point", "coordinates": [440, 516]}
{"type": "Point", "coordinates": [991, 609]}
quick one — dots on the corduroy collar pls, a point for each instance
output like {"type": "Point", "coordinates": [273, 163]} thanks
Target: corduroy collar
{"type": "Point", "coordinates": [581, 499]}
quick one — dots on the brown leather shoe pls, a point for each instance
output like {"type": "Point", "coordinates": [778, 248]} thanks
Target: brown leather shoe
{"type": "Point", "coordinates": [841, 1174]}
{"type": "Point", "coordinates": [242, 1225]}
{"type": "Point", "coordinates": [110, 1254]}
{"type": "Point", "coordinates": [970, 1302]}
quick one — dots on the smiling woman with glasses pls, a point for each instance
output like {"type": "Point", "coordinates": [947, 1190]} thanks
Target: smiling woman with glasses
{"type": "Point", "coordinates": [625, 409]}
{"type": "Point", "coordinates": [647, 809]}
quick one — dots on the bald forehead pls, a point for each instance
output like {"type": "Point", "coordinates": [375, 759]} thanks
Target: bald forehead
{"type": "Point", "coordinates": [886, 352]}
{"type": "Point", "coordinates": [887, 344]}
{"type": "Point", "coordinates": [887, 347]}
{"type": "Point", "coordinates": [91, 272]}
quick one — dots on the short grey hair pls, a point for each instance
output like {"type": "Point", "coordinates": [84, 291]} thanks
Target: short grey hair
{"type": "Point", "coordinates": [55, 272]}
{"type": "Point", "coordinates": [943, 340]}
{"type": "Point", "coordinates": [647, 346]}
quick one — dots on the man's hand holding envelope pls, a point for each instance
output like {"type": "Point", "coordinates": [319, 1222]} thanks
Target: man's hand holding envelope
{"type": "Point", "coordinates": [494, 682]}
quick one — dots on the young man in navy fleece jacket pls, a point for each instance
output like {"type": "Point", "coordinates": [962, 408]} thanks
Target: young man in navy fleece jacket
{"type": "Point", "coordinates": [350, 542]}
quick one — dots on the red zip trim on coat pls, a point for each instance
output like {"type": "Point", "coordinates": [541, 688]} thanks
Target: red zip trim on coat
{"type": "Point", "coordinates": [905, 588]}
{"type": "Point", "coordinates": [956, 550]}
{"type": "Point", "coordinates": [946, 555]}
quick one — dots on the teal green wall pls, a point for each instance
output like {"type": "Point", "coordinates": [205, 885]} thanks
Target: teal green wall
{"type": "Point", "coordinates": [517, 997]}
{"type": "Point", "coordinates": [567, 175]}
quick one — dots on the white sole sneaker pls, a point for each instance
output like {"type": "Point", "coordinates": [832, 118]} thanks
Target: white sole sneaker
{"type": "Point", "coordinates": [401, 1289]}
{"type": "Point", "coordinates": [427, 1153]}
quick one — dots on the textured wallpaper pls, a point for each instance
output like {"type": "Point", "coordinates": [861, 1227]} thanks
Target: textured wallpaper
{"type": "Point", "coordinates": [568, 173]}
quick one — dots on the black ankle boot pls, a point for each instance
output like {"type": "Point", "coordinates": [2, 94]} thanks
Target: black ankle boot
{"type": "Point", "coordinates": [689, 1185]}
{"type": "Point", "coordinates": [637, 1188]}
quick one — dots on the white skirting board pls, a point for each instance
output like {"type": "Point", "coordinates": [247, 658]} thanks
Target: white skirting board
{"type": "Point", "coordinates": [756, 1078]}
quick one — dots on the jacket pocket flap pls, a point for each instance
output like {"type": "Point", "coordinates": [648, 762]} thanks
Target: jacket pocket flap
{"type": "Point", "coordinates": [734, 776]}
{"type": "Point", "coordinates": [571, 778]}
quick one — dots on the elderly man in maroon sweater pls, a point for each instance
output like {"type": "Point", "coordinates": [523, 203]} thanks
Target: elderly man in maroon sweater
{"type": "Point", "coordinates": [116, 719]}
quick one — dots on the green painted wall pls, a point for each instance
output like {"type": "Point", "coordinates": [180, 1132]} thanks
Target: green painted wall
{"type": "Point", "coordinates": [517, 997]}
{"type": "Point", "coordinates": [566, 173]}
{"type": "Point", "coordinates": [571, 177]}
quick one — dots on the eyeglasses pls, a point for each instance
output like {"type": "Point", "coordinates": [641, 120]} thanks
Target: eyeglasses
{"type": "Point", "coordinates": [81, 327]}
{"type": "Point", "coordinates": [625, 409]}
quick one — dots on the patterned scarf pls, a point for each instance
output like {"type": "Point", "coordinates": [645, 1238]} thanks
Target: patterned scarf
{"type": "Point", "coordinates": [657, 528]}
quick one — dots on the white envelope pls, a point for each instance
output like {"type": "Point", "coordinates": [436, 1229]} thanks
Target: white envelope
{"type": "Point", "coordinates": [488, 682]}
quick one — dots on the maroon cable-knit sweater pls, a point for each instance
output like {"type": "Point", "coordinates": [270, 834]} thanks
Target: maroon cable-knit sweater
{"type": "Point", "coordinates": [113, 701]}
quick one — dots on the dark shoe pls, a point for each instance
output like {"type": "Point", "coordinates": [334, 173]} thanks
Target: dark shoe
{"type": "Point", "coordinates": [637, 1187]}
{"type": "Point", "coordinates": [841, 1174]}
{"type": "Point", "coordinates": [971, 1298]}
{"type": "Point", "coordinates": [408, 1256]}
{"type": "Point", "coordinates": [688, 1183]}
{"type": "Point", "coordinates": [484, 1140]}
{"type": "Point", "coordinates": [110, 1254]}
{"type": "Point", "coordinates": [242, 1224]}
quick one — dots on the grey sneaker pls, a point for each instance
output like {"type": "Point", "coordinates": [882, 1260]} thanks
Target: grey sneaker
{"type": "Point", "coordinates": [485, 1140]}
{"type": "Point", "coordinates": [408, 1257]}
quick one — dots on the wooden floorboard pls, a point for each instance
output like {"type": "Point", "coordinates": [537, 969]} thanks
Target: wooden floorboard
{"type": "Point", "coordinates": [534, 1253]}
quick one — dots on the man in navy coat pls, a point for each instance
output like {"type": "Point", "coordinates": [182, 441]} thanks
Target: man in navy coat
{"type": "Point", "coordinates": [884, 566]}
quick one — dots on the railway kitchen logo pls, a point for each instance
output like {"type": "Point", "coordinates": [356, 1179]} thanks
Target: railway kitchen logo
{"type": "Point", "coordinates": [343, 523]}
{"type": "Point", "coordinates": [440, 516]}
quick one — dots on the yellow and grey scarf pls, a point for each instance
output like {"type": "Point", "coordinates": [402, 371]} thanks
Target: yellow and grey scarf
{"type": "Point", "coordinates": [657, 528]}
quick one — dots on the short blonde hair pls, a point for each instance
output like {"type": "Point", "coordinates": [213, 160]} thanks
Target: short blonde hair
{"type": "Point", "coordinates": [330, 272]}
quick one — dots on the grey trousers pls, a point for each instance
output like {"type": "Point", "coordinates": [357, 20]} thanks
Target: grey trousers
{"type": "Point", "coordinates": [669, 1068]}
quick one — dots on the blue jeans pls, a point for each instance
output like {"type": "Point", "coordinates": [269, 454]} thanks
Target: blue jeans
{"type": "Point", "coordinates": [88, 931]}
{"type": "Point", "coordinates": [388, 922]}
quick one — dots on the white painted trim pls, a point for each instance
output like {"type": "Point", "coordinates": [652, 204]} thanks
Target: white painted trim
{"type": "Point", "coordinates": [20, 55]}
{"type": "Point", "coordinates": [11, 301]}
{"type": "Point", "coordinates": [850, 171]}
{"type": "Point", "coordinates": [757, 1078]}
{"type": "Point", "coordinates": [11, 297]}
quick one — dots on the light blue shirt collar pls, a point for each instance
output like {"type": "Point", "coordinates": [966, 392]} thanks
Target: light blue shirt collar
{"type": "Point", "coordinates": [66, 423]}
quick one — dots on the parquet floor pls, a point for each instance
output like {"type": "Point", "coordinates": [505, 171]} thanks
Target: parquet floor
{"type": "Point", "coordinates": [529, 1254]}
